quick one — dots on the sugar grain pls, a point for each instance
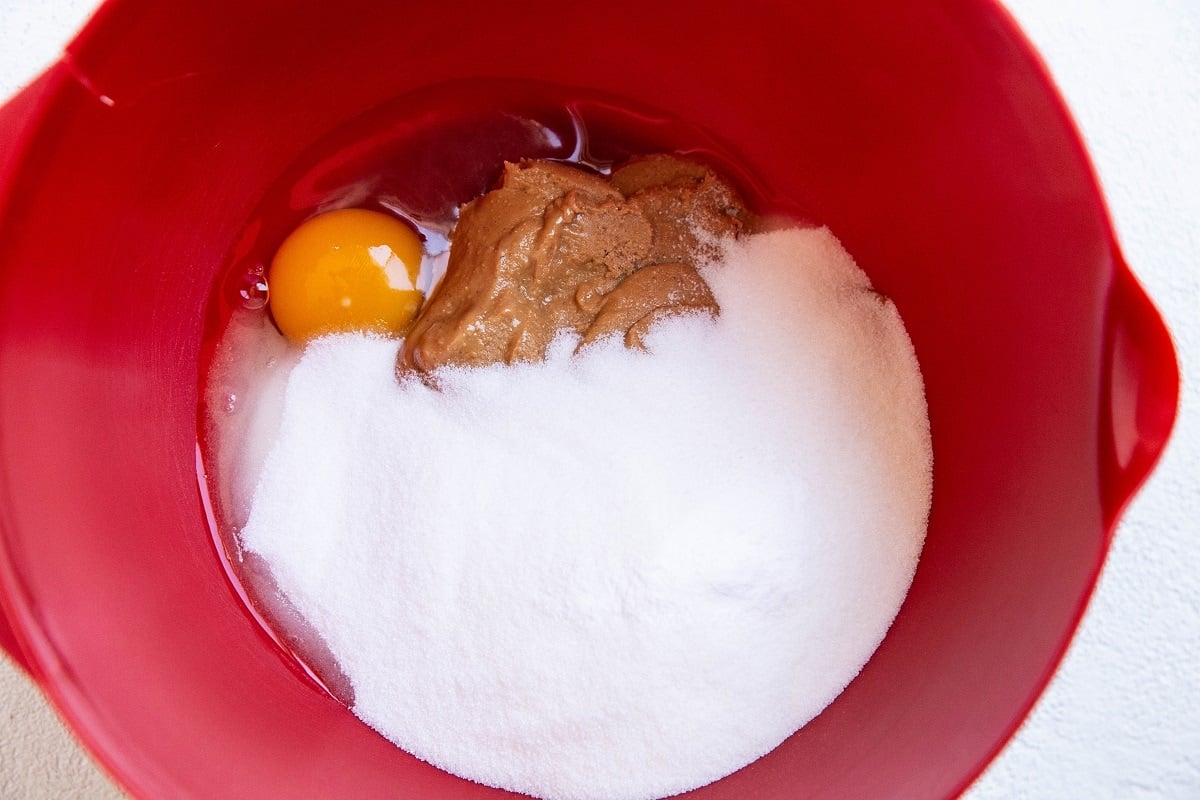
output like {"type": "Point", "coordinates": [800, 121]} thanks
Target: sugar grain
{"type": "Point", "coordinates": [616, 575]}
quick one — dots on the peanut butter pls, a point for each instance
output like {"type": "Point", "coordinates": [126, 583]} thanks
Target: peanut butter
{"type": "Point", "coordinates": [555, 247]}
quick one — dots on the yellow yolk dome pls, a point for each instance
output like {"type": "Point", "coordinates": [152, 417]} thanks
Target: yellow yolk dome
{"type": "Point", "coordinates": [347, 270]}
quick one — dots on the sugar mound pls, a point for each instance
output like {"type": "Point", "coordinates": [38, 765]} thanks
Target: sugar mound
{"type": "Point", "coordinates": [617, 575]}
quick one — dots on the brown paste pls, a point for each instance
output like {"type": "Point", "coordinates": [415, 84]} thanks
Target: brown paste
{"type": "Point", "coordinates": [555, 247]}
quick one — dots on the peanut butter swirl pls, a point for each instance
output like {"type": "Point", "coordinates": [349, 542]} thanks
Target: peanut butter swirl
{"type": "Point", "coordinates": [554, 247]}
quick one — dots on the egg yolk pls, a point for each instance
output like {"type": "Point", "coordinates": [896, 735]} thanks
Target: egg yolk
{"type": "Point", "coordinates": [346, 270]}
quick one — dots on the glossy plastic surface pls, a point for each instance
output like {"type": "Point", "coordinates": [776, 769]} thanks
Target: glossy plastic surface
{"type": "Point", "coordinates": [925, 133]}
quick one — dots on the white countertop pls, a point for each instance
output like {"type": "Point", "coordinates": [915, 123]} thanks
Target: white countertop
{"type": "Point", "coordinates": [1121, 719]}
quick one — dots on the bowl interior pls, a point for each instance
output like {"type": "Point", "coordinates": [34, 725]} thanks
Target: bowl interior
{"type": "Point", "coordinates": [923, 133]}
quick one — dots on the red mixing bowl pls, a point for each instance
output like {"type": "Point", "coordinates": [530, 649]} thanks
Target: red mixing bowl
{"type": "Point", "coordinates": [925, 133]}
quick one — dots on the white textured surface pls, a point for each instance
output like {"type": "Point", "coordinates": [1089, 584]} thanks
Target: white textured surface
{"type": "Point", "coordinates": [632, 574]}
{"type": "Point", "coordinates": [1122, 717]}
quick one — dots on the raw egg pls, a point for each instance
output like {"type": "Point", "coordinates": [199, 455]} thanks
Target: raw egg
{"type": "Point", "coordinates": [347, 270]}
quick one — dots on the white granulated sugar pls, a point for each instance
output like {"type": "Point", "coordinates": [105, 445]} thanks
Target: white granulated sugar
{"type": "Point", "coordinates": [616, 575]}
